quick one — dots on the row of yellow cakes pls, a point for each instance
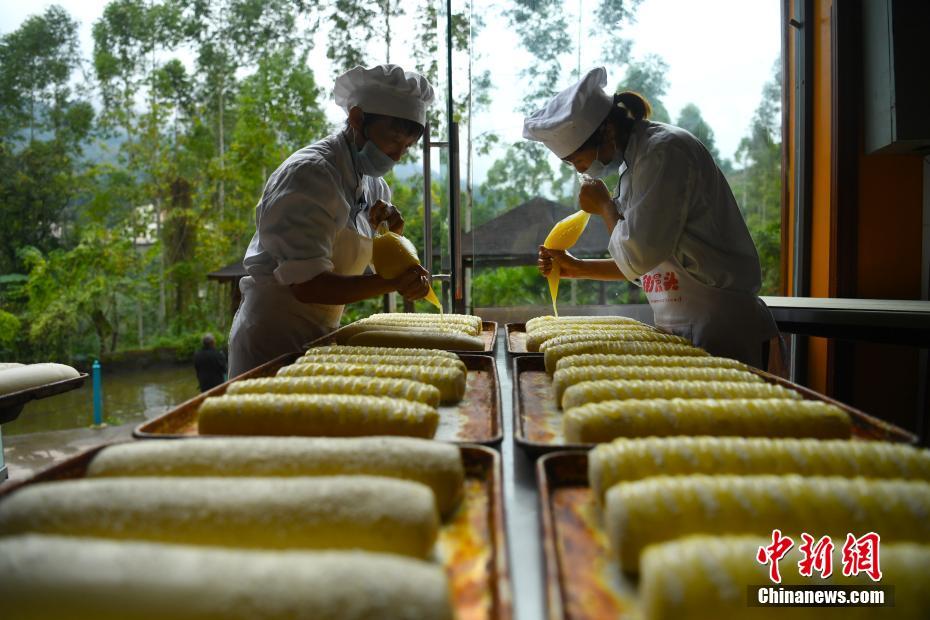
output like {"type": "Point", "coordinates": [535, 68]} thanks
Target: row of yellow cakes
{"type": "Point", "coordinates": [339, 523]}
{"type": "Point", "coordinates": [615, 377]}
{"type": "Point", "coordinates": [342, 390]}
{"type": "Point", "coordinates": [699, 460]}
{"type": "Point", "coordinates": [263, 527]}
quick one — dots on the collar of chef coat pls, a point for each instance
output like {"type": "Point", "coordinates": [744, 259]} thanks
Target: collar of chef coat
{"type": "Point", "coordinates": [348, 168]}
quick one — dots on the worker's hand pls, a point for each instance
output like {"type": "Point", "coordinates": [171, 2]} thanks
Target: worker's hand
{"type": "Point", "coordinates": [384, 212]}
{"type": "Point", "coordinates": [413, 284]}
{"type": "Point", "coordinates": [569, 266]}
{"type": "Point", "coordinates": [594, 197]}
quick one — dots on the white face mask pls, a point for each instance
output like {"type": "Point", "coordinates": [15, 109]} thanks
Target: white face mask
{"type": "Point", "coordinates": [599, 170]}
{"type": "Point", "coordinates": [372, 161]}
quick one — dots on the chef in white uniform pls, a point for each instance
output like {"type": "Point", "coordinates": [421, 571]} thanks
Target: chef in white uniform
{"type": "Point", "coordinates": [315, 219]}
{"type": "Point", "coordinates": [675, 228]}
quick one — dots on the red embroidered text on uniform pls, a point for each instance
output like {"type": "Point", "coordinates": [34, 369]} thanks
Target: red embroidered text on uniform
{"type": "Point", "coordinates": [658, 282]}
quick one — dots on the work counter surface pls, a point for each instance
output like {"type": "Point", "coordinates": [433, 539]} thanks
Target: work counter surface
{"type": "Point", "coordinates": [521, 506]}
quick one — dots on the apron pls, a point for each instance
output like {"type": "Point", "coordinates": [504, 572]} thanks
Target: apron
{"type": "Point", "coordinates": [271, 321]}
{"type": "Point", "coordinates": [725, 323]}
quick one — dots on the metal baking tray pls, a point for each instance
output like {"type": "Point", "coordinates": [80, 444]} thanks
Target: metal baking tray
{"type": "Point", "coordinates": [582, 582]}
{"type": "Point", "coordinates": [471, 545]}
{"type": "Point", "coordinates": [537, 421]}
{"type": "Point", "coordinates": [476, 419]}
{"type": "Point", "coordinates": [488, 335]}
{"type": "Point", "coordinates": [515, 335]}
{"type": "Point", "coordinates": [11, 405]}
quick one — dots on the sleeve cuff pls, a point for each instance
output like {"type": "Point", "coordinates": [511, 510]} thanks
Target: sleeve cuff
{"type": "Point", "coordinates": [297, 271]}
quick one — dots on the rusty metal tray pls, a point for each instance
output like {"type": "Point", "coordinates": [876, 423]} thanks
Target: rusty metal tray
{"type": "Point", "coordinates": [488, 335]}
{"type": "Point", "coordinates": [537, 420]}
{"type": "Point", "coordinates": [582, 581]}
{"type": "Point", "coordinates": [515, 336]}
{"type": "Point", "coordinates": [11, 405]}
{"type": "Point", "coordinates": [477, 419]}
{"type": "Point", "coordinates": [471, 545]}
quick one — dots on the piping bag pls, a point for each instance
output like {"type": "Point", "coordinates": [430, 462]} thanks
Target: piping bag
{"type": "Point", "coordinates": [563, 236]}
{"type": "Point", "coordinates": [392, 254]}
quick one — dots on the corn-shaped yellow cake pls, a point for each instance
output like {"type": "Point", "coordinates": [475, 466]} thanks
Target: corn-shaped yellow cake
{"type": "Point", "coordinates": [432, 322]}
{"type": "Point", "coordinates": [610, 335]}
{"type": "Point", "coordinates": [339, 384]}
{"type": "Point", "coordinates": [708, 576]}
{"type": "Point", "coordinates": [94, 579]}
{"type": "Point", "coordinates": [540, 322]}
{"type": "Point", "coordinates": [334, 415]}
{"type": "Point", "coordinates": [554, 353]}
{"type": "Point", "coordinates": [341, 349]}
{"type": "Point", "coordinates": [385, 360]}
{"type": "Point", "coordinates": [654, 510]}
{"type": "Point", "coordinates": [622, 389]}
{"type": "Point", "coordinates": [417, 318]}
{"type": "Point", "coordinates": [627, 460]}
{"type": "Point", "coordinates": [569, 376]}
{"type": "Point", "coordinates": [545, 334]}
{"type": "Point", "coordinates": [449, 381]}
{"type": "Point", "coordinates": [323, 512]}
{"type": "Point", "coordinates": [607, 420]}
{"type": "Point", "coordinates": [418, 337]}
{"type": "Point", "coordinates": [683, 361]}
{"type": "Point", "coordinates": [437, 465]}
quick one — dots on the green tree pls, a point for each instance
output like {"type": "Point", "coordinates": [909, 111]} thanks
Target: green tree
{"type": "Point", "coordinates": [757, 183]}
{"type": "Point", "coordinates": [690, 119]}
{"type": "Point", "coordinates": [44, 124]}
{"type": "Point", "coordinates": [647, 77]}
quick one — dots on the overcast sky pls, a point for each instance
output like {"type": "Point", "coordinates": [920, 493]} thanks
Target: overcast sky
{"type": "Point", "coordinates": [720, 53]}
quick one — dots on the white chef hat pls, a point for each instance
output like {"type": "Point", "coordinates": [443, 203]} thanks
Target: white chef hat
{"type": "Point", "coordinates": [569, 118]}
{"type": "Point", "coordinates": [385, 89]}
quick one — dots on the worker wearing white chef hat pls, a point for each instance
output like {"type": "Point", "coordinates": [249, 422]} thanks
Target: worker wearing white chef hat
{"type": "Point", "coordinates": [675, 228]}
{"type": "Point", "coordinates": [315, 218]}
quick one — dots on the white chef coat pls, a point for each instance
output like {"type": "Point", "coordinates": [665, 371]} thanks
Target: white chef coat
{"type": "Point", "coordinates": [312, 218]}
{"type": "Point", "coordinates": [681, 222]}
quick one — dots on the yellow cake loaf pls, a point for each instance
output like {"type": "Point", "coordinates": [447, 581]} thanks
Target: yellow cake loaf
{"type": "Point", "coordinates": [337, 384]}
{"type": "Point", "coordinates": [418, 337]}
{"type": "Point", "coordinates": [437, 465]}
{"type": "Point", "coordinates": [708, 577]}
{"type": "Point", "coordinates": [628, 460]}
{"type": "Point", "coordinates": [333, 415]}
{"type": "Point", "coordinates": [566, 377]}
{"type": "Point", "coordinates": [342, 349]}
{"type": "Point", "coordinates": [621, 389]}
{"type": "Point", "coordinates": [450, 382]}
{"type": "Point", "coordinates": [555, 352]}
{"type": "Point", "coordinates": [660, 509]}
{"type": "Point", "coordinates": [92, 579]}
{"type": "Point", "coordinates": [324, 512]}
{"type": "Point", "coordinates": [660, 417]}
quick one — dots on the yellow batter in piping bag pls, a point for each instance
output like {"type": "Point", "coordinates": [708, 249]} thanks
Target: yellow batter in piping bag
{"type": "Point", "coordinates": [392, 254]}
{"type": "Point", "coordinates": [563, 236]}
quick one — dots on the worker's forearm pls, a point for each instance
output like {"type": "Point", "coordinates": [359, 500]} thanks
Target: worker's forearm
{"type": "Point", "coordinates": [611, 218]}
{"type": "Point", "coordinates": [600, 269]}
{"type": "Point", "coordinates": [330, 288]}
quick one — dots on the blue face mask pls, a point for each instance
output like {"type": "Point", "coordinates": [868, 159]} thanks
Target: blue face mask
{"type": "Point", "coordinates": [372, 161]}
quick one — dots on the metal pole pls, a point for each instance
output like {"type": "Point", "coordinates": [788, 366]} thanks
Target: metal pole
{"type": "Point", "coordinates": [98, 395]}
{"type": "Point", "coordinates": [427, 202]}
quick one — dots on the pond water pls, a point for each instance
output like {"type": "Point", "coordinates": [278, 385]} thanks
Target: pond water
{"type": "Point", "coordinates": [128, 396]}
